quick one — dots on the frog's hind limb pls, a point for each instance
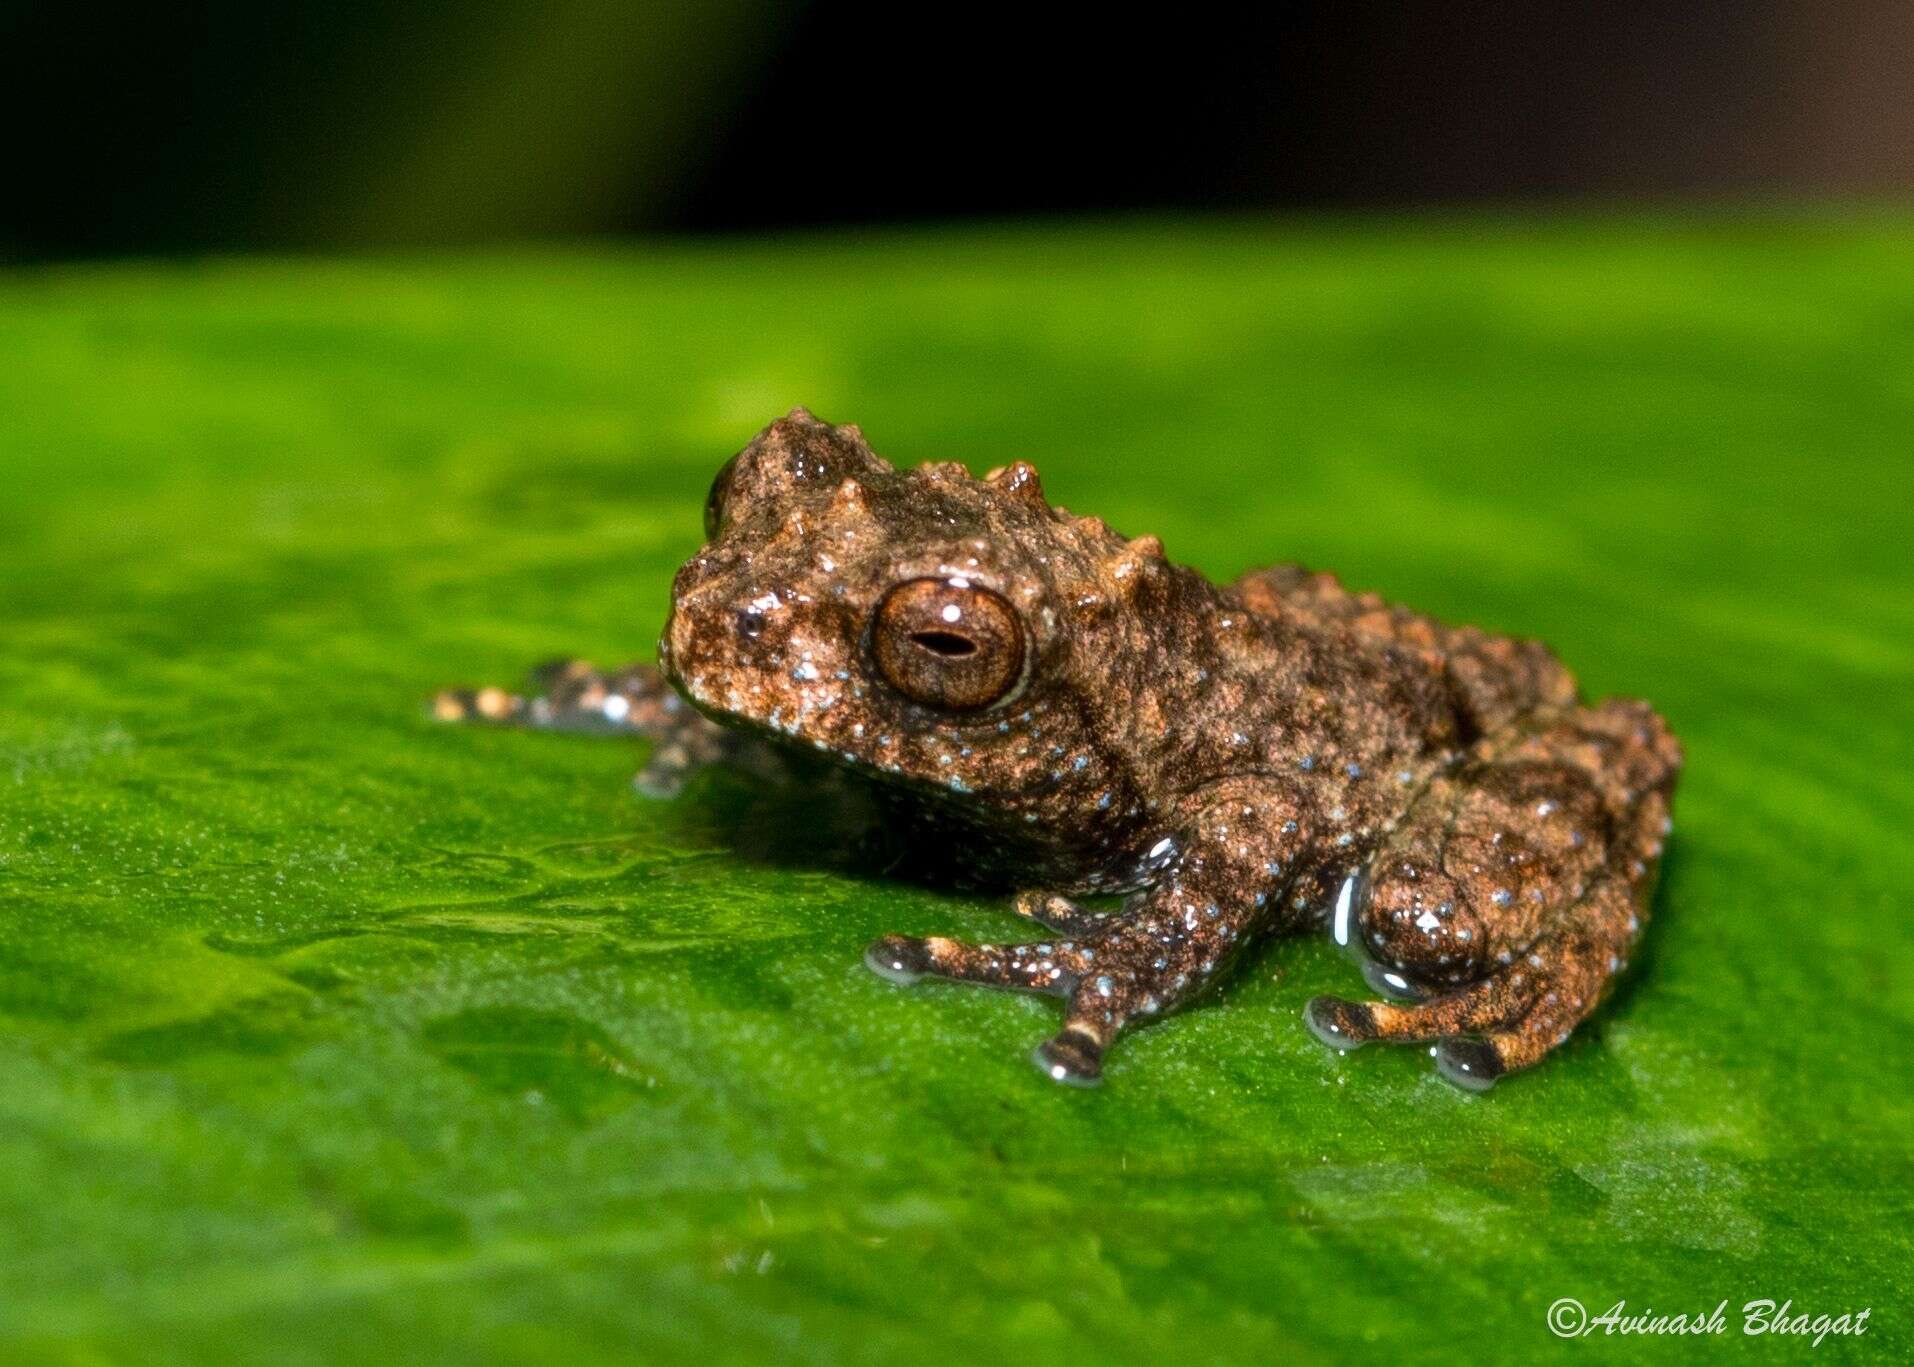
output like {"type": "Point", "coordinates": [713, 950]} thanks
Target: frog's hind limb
{"type": "Point", "coordinates": [574, 696]}
{"type": "Point", "coordinates": [1512, 895]}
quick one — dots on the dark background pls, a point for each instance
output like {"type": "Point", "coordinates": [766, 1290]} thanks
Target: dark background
{"type": "Point", "coordinates": [314, 124]}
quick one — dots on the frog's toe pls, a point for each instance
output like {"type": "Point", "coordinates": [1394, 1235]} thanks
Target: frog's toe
{"type": "Point", "coordinates": [1390, 982]}
{"type": "Point", "coordinates": [1471, 1064]}
{"type": "Point", "coordinates": [1342, 1025]}
{"type": "Point", "coordinates": [1480, 1032]}
{"type": "Point", "coordinates": [1071, 1057]}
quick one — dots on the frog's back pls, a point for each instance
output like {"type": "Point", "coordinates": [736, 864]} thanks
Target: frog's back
{"type": "Point", "coordinates": [1492, 679]}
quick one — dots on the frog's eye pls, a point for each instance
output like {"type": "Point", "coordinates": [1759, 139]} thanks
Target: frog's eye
{"type": "Point", "coordinates": [714, 501]}
{"type": "Point", "coordinates": [947, 643]}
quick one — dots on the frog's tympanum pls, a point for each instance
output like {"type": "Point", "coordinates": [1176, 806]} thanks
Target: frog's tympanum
{"type": "Point", "coordinates": [1058, 709]}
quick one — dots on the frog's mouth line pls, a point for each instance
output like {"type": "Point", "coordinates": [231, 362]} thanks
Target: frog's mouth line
{"type": "Point", "coordinates": [952, 794]}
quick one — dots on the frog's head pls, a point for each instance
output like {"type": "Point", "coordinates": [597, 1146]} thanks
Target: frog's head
{"type": "Point", "coordinates": [953, 635]}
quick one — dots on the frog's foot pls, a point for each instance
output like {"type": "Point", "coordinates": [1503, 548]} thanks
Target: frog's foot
{"type": "Point", "coordinates": [1511, 895]}
{"type": "Point", "coordinates": [1475, 1044]}
{"type": "Point", "coordinates": [571, 695]}
{"type": "Point", "coordinates": [1057, 912]}
{"type": "Point", "coordinates": [1509, 1019]}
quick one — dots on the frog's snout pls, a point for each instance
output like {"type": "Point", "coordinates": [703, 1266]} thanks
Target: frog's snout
{"type": "Point", "coordinates": [685, 655]}
{"type": "Point", "coordinates": [714, 646]}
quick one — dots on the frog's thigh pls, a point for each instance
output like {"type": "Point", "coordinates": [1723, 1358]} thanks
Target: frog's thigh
{"type": "Point", "coordinates": [1487, 858]}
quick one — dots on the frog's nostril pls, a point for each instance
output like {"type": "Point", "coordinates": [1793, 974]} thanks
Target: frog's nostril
{"type": "Point", "coordinates": [750, 623]}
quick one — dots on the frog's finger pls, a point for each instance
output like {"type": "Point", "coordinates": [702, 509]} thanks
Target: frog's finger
{"type": "Point", "coordinates": [1072, 1056]}
{"type": "Point", "coordinates": [493, 705]}
{"type": "Point", "coordinates": [903, 959]}
{"type": "Point", "coordinates": [1058, 913]}
{"type": "Point", "coordinates": [1101, 1004]}
{"type": "Point", "coordinates": [572, 695]}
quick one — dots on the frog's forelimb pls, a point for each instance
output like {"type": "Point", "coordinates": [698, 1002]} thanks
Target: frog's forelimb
{"type": "Point", "coordinates": [575, 696]}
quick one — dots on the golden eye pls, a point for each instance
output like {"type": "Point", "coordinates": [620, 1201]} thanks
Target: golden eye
{"type": "Point", "coordinates": [945, 643]}
{"type": "Point", "coordinates": [714, 501]}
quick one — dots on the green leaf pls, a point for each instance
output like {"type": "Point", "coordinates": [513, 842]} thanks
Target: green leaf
{"type": "Point", "coordinates": [330, 1033]}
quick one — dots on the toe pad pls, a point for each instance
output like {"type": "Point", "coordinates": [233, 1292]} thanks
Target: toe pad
{"type": "Point", "coordinates": [1070, 1058]}
{"type": "Point", "coordinates": [1340, 1024]}
{"type": "Point", "coordinates": [897, 960]}
{"type": "Point", "coordinates": [1473, 1065]}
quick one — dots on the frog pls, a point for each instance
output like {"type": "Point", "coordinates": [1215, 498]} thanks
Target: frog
{"type": "Point", "coordinates": [1163, 772]}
